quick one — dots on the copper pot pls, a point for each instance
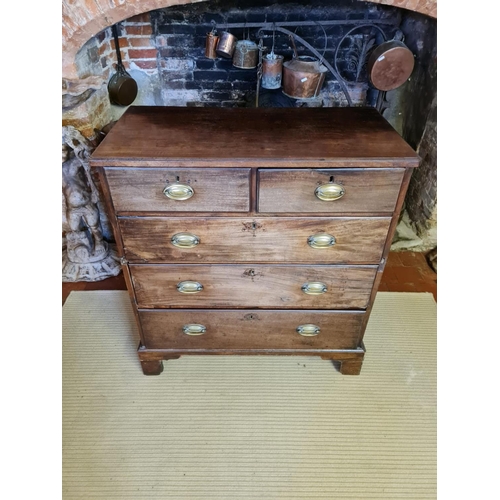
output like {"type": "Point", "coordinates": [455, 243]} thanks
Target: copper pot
{"type": "Point", "coordinates": [211, 45]}
{"type": "Point", "coordinates": [245, 54]}
{"type": "Point", "coordinates": [272, 70]}
{"type": "Point", "coordinates": [226, 45]}
{"type": "Point", "coordinates": [303, 77]}
{"type": "Point", "coordinates": [390, 65]}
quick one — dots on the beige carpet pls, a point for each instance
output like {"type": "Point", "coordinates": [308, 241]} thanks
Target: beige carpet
{"type": "Point", "coordinates": [220, 427]}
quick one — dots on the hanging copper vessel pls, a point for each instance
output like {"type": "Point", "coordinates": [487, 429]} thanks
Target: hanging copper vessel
{"type": "Point", "coordinates": [390, 65]}
{"type": "Point", "coordinates": [303, 77]}
{"type": "Point", "coordinates": [272, 70]}
{"type": "Point", "coordinates": [226, 45]}
{"type": "Point", "coordinates": [245, 54]}
{"type": "Point", "coordinates": [211, 45]}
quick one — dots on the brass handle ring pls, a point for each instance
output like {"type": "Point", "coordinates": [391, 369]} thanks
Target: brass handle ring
{"type": "Point", "coordinates": [178, 191]}
{"type": "Point", "coordinates": [308, 330]}
{"type": "Point", "coordinates": [189, 287]}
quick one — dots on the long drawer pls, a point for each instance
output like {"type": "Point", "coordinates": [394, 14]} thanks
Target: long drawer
{"type": "Point", "coordinates": [179, 190]}
{"type": "Point", "coordinates": [267, 287]}
{"type": "Point", "coordinates": [250, 329]}
{"type": "Point", "coordinates": [353, 190]}
{"type": "Point", "coordinates": [256, 240]}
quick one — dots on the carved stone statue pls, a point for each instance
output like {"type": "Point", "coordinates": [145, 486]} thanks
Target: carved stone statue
{"type": "Point", "coordinates": [86, 256]}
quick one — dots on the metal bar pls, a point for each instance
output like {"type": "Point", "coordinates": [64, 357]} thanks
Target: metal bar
{"type": "Point", "coordinates": [114, 30]}
{"type": "Point", "coordinates": [267, 25]}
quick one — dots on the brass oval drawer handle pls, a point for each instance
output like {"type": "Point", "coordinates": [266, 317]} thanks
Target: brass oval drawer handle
{"type": "Point", "coordinates": [321, 240]}
{"type": "Point", "coordinates": [178, 191]}
{"type": "Point", "coordinates": [189, 287]}
{"type": "Point", "coordinates": [314, 288]}
{"type": "Point", "coordinates": [194, 329]}
{"type": "Point", "coordinates": [308, 330]}
{"type": "Point", "coordinates": [329, 192]}
{"type": "Point", "coordinates": [185, 240]}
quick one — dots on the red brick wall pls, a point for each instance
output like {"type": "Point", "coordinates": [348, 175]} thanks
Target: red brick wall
{"type": "Point", "coordinates": [137, 46]}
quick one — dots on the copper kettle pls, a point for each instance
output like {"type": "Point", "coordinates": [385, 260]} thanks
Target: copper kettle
{"type": "Point", "coordinates": [303, 77]}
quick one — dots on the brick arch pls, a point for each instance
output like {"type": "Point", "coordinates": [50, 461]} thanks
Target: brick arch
{"type": "Point", "coordinates": [82, 19]}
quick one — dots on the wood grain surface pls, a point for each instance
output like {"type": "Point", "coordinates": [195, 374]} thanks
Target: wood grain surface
{"type": "Point", "coordinates": [251, 329]}
{"type": "Point", "coordinates": [254, 173]}
{"type": "Point", "coordinates": [215, 190]}
{"type": "Point", "coordinates": [257, 240]}
{"type": "Point", "coordinates": [366, 190]}
{"type": "Point", "coordinates": [148, 135]}
{"type": "Point", "coordinates": [252, 286]}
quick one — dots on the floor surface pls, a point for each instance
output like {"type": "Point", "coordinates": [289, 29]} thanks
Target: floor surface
{"type": "Point", "coordinates": [248, 427]}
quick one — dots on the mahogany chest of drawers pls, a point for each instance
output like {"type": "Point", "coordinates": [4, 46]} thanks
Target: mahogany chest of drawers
{"type": "Point", "coordinates": [253, 231]}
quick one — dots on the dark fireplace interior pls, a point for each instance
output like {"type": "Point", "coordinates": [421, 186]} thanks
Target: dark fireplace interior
{"type": "Point", "coordinates": [181, 35]}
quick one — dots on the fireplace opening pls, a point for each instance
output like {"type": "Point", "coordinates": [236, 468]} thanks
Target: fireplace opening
{"type": "Point", "coordinates": [164, 51]}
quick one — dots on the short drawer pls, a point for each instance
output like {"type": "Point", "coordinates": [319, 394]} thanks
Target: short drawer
{"type": "Point", "coordinates": [251, 329]}
{"type": "Point", "coordinates": [267, 287]}
{"type": "Point", "coordinates": [284, 240]}
{"type": "Point", "coordinates": [179, 190]}
{"type": "Point", "coordinates": [354, 190]}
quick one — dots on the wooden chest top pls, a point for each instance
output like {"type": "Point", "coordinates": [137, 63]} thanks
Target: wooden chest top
{"type": "Point", "coordinates": [260, 137]}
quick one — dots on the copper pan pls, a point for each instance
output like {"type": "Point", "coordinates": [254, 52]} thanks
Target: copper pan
{"type": "Point", "coordinates": [122, 88]}
{"type": "Point", "coordinates": [390, 65]}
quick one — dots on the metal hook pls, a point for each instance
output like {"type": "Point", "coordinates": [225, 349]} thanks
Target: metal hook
{"type": "Point", "coordinates": [326, 41]}
{"type": "Point", "coordinates": [399, 36]}
{"type": "Point", "coordinates": [274, 33]}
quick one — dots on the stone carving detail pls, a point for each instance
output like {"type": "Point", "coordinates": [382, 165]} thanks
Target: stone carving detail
{"type": "Point", "coordinates": [76, 92]}
{"type": "Point", "coordinates": [86, 255]}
